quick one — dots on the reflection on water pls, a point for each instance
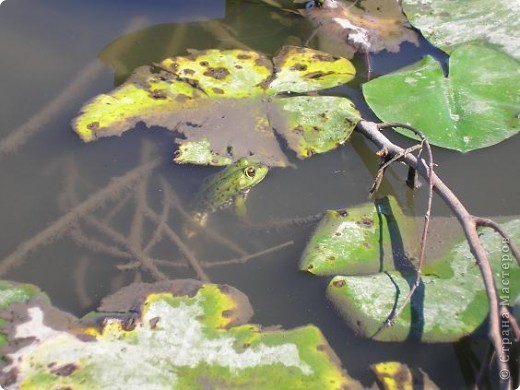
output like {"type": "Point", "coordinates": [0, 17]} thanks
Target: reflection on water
{"type": "Point", "coordinates": [82, 220]}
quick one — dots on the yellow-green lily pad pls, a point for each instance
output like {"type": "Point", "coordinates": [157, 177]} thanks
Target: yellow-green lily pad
{"type": "Point", "coordinates": [219, 103]}
{"type": "Point", "coordinates": [172, 335]}
{"type": "Point", "coordinates": [299, 69]}
{"type": "Point", "coordinates": [230, 73]}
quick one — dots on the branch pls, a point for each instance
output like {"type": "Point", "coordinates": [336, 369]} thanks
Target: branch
{"type": "Point", "coordinates": [63, 224]}
{"type": "Point", "coordinates": [371, 131]}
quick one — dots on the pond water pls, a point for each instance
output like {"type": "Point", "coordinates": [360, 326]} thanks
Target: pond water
{"type": "Point", "coordinates": [57, 54]}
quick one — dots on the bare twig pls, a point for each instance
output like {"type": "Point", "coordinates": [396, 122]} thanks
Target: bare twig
{"type": "Point", "coordinates": [371, 131]}
{"type": "Point", "coordinates": [245, 259]}
{"type": "Point", "coordinates": [194, 262]}
{"type": "Point", "coordinates": [497, 228]}
{"type": "Point", "coordinates": [97, 246]}
{"type": "Point", "coordinates": [80, 279]}
{"type": "Point", "coordinates": [146, 263]}
{"type": "Point", "coordinates": [424, 143]}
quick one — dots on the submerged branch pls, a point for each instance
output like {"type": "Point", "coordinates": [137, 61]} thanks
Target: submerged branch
{"type": "Point", "coordinates": [63, 224]}
{"type": "Point", "coordinates": [20, 136]}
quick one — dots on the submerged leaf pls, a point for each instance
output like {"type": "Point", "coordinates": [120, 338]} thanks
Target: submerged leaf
{"type": "Point", "coordinates": [220, 101]}
{"type": "Point", "coordinates": [313, 124]}
{"type": "Point", "coordinates": [476, 106]}
{"type": "Point", "coordinates": [369, 25]}
{"type": "Point", "coordinates": [448, 23]}
{"type": "Point", "coordinates": [365, 302]}
{"type": "Point", "coordinates": [170, 335]}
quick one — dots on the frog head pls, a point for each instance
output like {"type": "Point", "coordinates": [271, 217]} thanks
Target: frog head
{"type": "Point", "coordinates": [247, 174]}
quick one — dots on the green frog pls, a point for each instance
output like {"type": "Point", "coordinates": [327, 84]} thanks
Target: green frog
{"type": "Point", "coordinates": [227, 187]}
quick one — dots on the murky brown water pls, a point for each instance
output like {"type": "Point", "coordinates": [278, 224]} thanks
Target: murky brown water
{"type": "Point", "coordinates": [55, 57]}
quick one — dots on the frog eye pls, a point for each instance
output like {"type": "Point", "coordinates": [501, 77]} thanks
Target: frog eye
{"type": "Point", "coordinates": [250, 172]}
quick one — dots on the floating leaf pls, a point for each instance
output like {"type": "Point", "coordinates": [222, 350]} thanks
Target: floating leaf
{"type": "Point", "coordinates": [448, 23]}
{"type": "Point", "coordinates": [219, 103]}
{"type": "Point", "coordinates": [178, 334]}
{"type": "Point", "coordinates": [309, 124]}
{"type": "Point", "coordinates": [476, 106]}
{"type": "Point", "coordinates": [230, 73]}
{"type": "Point", "coordinates": [398, 376]}
{"type": "Point", "coordinates": [299, 69]}
{"type": "Point", "coordinates": [365, 302]}
{"type": "Point", "coordinates": [363, 240]}
{"type": "Point", "coordinates": [370, 25]}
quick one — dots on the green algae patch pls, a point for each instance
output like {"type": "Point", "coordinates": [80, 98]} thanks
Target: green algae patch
{"type": "Point", "coordinates": [173, 335]}
{"type": "Point", "coordinates": [367, 239]}
{"type": "Point", "coordinates": [365, 302]}
{"type": "Point", "coordinates": [220, 105]}
{"type": "Point", "coordinates": [12, 293]}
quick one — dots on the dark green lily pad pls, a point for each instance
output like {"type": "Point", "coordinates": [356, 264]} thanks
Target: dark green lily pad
{"type": "Point", "coordinates": [443, 309]}
{"type": "Point", "coordinates": [477, 106]}
{"type": "Point", "coordinates": [179, 334]}
{"type": "Point", "coordinates": [447, 23]}
{"type": "Point", "coordinates": [367, 239]}
{"type": "Point", "coordinates": [219, 102]}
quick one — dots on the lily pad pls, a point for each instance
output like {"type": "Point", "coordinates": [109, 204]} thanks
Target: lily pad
{"type": "Point", "coordinates": [447, 23]}
{"type": "Point", "coordinates": [299, 69]}
{"type": "Point", "coordinates": [365, 302]}
{"type": "Point", "coordinates": [220, 102]}
{"type": "Point", "coordinates": [309, 124]}
{"type": "Point", "coordinates": [181, 334]}
{"type": "Point", "coordinates": [363, 240]}
{"type": "Point", "coordinates": [476, 106]}
{"type": "Point", "coordinates": [398, 376]}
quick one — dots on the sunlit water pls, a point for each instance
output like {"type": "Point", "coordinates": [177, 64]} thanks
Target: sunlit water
{"type": "Point", "coordinates": [57, 49]}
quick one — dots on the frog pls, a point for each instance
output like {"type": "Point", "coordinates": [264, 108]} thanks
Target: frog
{"type": "Point", "coordinates": [228, 187]}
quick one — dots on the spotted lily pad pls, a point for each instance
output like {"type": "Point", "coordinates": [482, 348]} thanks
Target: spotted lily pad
{"type": "Point", "coordinates": [363, 240]}
{"type": "Point", "coordinates": [220, 102]}
{"type": "Point", "coordinates": [178, 335]}
{"type": "Point", "coordinates": [365, 302]}
{"type": "Point", "coordinates": [476, 106]}
{"type": "Point", "coordinates": [398, 376]}
{"type": "Point", "coordinates": [299, 69]}
{"type": "Point", "coordinates": [447, 23]}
